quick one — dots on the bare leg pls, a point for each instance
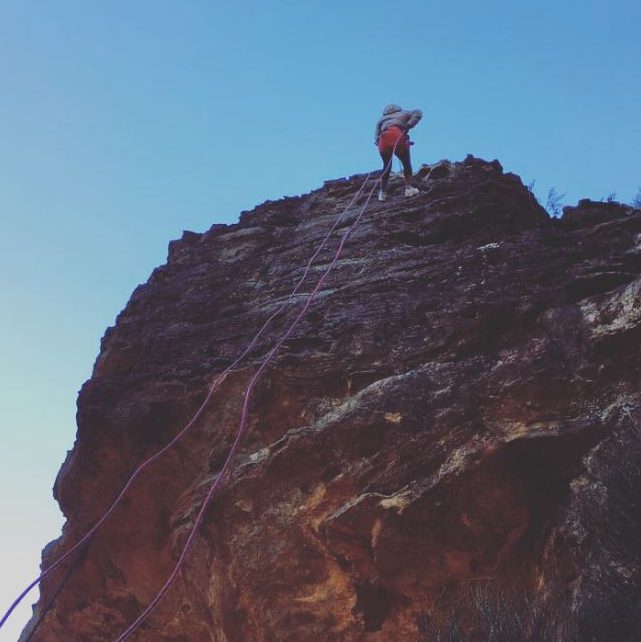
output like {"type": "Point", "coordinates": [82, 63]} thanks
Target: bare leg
{"type": "Point", "coordinates": [386, 155]}
{"type": "Point", "coordinates": [403, 155]}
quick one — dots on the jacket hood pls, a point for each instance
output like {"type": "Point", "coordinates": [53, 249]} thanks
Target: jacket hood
{"type": "Point", "coordinates": [390, 109]}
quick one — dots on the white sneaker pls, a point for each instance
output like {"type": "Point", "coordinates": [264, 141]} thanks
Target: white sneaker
{"type": "Point", "coordinates": [382, 196]}
{"type": "Point", "coordinates": [410, 191]}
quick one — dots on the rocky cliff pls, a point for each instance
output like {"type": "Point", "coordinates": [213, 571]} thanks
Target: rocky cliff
{"type": "Point", "coordinates": [448, 447]}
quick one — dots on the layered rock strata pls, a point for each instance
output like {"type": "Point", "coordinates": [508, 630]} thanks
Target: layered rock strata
{"type": "Point", "coordinates": [447, 448]}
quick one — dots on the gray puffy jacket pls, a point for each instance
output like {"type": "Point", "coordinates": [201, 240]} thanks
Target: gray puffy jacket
{"type": "Point", "coordinates": [396, 115]}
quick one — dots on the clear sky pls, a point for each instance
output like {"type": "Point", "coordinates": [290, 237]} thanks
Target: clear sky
{"type": "Point", "coordinates": [124, 122]}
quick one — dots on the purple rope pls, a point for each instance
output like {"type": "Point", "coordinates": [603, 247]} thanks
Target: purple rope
{"type": "Point", "coordinates": [215, 384]}
{"type": "Point", "coordinates": [218, 380]}
{"type": "Point", "coordinates": [242, 427]}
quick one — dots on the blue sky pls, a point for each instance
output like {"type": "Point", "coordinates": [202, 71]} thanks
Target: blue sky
{"type": "Point", "coordinates": [123, 123]}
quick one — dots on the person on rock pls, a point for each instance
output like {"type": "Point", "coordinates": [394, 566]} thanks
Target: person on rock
{"type": "Point", "coordinates": [391, 132]}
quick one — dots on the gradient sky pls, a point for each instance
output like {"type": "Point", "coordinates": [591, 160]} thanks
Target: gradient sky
{"type": "Point", "coordinates": [124, 122]}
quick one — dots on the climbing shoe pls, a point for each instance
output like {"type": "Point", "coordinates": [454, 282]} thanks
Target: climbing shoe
{"type": "Point", "coordinates": [382, 196]}
{"type": "Point", "coordinates": [410, 191]}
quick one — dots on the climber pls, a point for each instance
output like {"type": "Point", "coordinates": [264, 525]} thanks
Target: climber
{"type": "Point", "coordinates": [391, 130]}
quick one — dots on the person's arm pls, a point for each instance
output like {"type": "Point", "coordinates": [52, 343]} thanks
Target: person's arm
{"type": "Point", "coordinates": [414, 117]}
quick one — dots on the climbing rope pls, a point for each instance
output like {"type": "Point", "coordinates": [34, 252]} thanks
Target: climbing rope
{"type": "Point", "coordinates": [64, 581]}
{"type": "Point", "coordinates": [242, 427]}
{"type": "Point", "coordinates": [218, 380]}
{"type": "Point", "coordinates": [244, 414]}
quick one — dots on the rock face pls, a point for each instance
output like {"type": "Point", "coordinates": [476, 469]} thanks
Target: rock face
{"type": "Point", "coordinates": [448, 447]}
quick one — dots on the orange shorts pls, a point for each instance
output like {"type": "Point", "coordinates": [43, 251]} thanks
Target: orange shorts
{"type": "Point", "coordinates": [388, 138]}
